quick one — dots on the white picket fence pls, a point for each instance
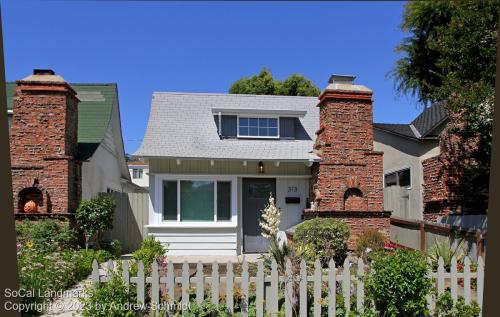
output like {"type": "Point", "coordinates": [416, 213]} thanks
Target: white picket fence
{"type": "Point", "coordinates": [267, 286]}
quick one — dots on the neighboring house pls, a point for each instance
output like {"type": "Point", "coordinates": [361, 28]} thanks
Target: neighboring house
{"type": "Point", "coordinates": [406, 148]}
{"type": "Point", "coordinates": [66, 142]}
{"type": "Point", "coordinates": [139, 171]}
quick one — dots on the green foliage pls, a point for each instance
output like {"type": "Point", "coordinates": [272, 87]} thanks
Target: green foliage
{"type": "Point", "coordinates": [108, 299]}
{"type": "Point", "coordinates": [47, 235]}
{"type": "Point", "coordinates": [445, 250]}
{"type": "Point", "coordinates": [399, 285]}
{"type": "Point", "coordinates": [265, 84]}
{"type": "Point", "coordinates": [450, 56]}
{"type": "Point", "coordinates": [205, 309]}
{"type": "Point", "coordinates": [114, 247]}
{"type": "Point", "coordinates": [446, 308]}
{"type": "Point", "coordinates": [370, 239]}
{"type": "Point", "coordinates": [95, 215]}
{"type": "Point", "coordinates": [150, 250]}
{"type": "Point", "coordinates": [449, 40]}
{"type": "Point", "coordinates": [327, 237]}
{"type": "Point", "coordinates": [48, 273]}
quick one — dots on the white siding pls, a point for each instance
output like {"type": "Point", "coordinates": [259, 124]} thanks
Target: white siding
{"type": "Point", "coordinates": [216, 237]}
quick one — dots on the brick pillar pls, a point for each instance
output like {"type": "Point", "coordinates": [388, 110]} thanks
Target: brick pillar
{"type": "Point", "coordinates": [43, 144]}
{"type": "Point", "coordinates": [349, 177]}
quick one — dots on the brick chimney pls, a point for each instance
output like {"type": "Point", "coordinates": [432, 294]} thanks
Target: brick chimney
{"type": "Point", "coordinates": [347, 182]}
{"type": "Point", "coordinates": [43, 145]}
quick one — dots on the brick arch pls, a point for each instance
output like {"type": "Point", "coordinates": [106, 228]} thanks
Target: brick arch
{"type": "Point", "coordinates": [354, 200]}
{"type": "Point", "coordinates": [36, 192]}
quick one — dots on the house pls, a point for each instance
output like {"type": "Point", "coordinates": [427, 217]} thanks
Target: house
{"type": "Point", "coordinates": [407, 150]}
{"type": "Point", "coordinates": [139, 171]}
{"type": "Point", "coordinates": [215, 158]}
{"type": "Point", "coordinates": [66, 143]}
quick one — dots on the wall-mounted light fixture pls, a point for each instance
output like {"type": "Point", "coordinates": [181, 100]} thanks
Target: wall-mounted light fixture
{"type": "Point", "coordinates": [261, 167]}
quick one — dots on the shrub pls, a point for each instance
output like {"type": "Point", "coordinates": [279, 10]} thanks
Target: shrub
{"type": "Point", "coordinates": [446, 250]}
{"type": "Point", "coordinates": [150, 250]}
{"type": "Point", "coordinates": [370, 239]}
{"type": "Point", "coordinates": [327, 237]}
{"type": "Point", "coordinates": [47, 235]}
{"type": "Point", "coordinates": [114, 247]}
{"type": "Point", "coordinates": [399, 284]}
{"type": "Point", "coordinates": [47, 273]}
{"type": "Point", "coordinates": [205, 309]}
{"type": "Point", "coordinates": [446, 308]}
{"type": "Point", "coordinates": [108, 299]}
{"type": "Point", "coordinates": [95, 215]}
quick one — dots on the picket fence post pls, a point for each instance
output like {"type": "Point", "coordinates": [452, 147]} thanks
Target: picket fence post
{"type": "Point", "coordinates": [317, 289]}
{"type": "Point", "coordinates": [229, 287]}
{"type": "Point", "coordinates": [259, 296]}
{"type": "Point", "coordinates": [332, 289]}
{"type": "Point", "coordinates": [303, 289]}
{"type": "Point", "coordinates": [360, 286]}
{"type": "Point", "coordinates": [140, 283]}
{"type": "Point", "coordinates": [155, 283]}
{"type": "Point", "coordinates": [346, 285]}
{"type": "Point", "coordinates": [200, 283]}
{"type": "Point", "coordinates": [215, 283]}
{"type": "Point", "coordinates": [185, 283]}
{"type": "Point", "coordinates": [244, 289]}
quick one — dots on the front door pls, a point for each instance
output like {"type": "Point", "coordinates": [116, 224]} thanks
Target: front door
{"type": "Point", "coordinates": [255, 197]}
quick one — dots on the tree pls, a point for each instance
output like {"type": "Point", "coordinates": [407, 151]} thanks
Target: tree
{"type": "Point", "coordinates": [95, 215]}
{"type": "Point", "coordinates": [265, 84]}
{"type": "Point", "coordinates": [450, 57]}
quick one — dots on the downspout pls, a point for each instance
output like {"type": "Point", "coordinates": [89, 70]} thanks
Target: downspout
{"type": "Point", "coordinates": [220, 127]}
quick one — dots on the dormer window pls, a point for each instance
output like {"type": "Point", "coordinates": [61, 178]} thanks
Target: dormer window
{"type": "Point", "coordinates": [258, 127]}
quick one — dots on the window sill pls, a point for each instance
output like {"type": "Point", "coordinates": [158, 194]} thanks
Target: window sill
{"type": "Point", "coordinates": [228, 224]}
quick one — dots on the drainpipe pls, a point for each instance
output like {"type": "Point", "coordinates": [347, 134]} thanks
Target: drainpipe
{"type": "Point", "coordinates": [220, 122]}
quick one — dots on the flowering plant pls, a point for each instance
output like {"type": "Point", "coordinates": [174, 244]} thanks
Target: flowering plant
{"type": "Point", "coordinates": [271, 217]}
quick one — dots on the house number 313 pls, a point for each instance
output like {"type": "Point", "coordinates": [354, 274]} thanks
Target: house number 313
{"type": "Point", "coordinates": [292, 189]}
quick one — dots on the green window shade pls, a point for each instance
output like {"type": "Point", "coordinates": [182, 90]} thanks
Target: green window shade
{"type": "Point", "coordinates": [197, 201]}
{"type": "Point", "coordinates": [223, 200]}
{"type": "Point", "coordinates": [170, 200]}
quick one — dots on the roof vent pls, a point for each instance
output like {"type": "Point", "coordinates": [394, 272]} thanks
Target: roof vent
{"type": "Point", "coordinates": [341, 79]}
{"type": "Point", "coordinates": [43, 72]}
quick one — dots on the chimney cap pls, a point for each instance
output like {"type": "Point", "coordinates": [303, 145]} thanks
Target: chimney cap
{"type": "Point", "coordinates": [345, 83]}
{"type": "Point", "coordinates": [341, 79]}
{"type": "Point", "coordinates": [39, 71]}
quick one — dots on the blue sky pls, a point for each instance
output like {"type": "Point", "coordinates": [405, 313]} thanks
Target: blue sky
{"type": "Point", "coordinates": [204, 47]}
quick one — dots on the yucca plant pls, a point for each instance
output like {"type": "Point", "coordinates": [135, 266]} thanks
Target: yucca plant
{"type": "Point", "coordinates": [447, 251]}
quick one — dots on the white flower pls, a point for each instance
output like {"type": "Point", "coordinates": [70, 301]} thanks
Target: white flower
{"type": "Point", "coordinates": [271, 217]}
{"type": "Point", "coordinates": [368, 250]}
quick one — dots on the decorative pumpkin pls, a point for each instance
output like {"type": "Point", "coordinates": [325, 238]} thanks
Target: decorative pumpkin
{"type": "Point", "coordinates": [30, 207]}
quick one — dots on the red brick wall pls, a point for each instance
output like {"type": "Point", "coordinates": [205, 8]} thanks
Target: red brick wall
{"type": "Point", "coordinates": [448, 183]}
{"type": "Point", "coordinates": [43, 144]}
{"type": "Point", "coordinates": [348, 164]}
{"type": "Point", "coordinates": [345, 144]}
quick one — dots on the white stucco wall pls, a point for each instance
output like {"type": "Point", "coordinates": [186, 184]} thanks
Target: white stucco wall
{"type": "Point", "coordinates": [401, 153]}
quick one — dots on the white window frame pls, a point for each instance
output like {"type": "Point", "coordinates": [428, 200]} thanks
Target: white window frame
{"type": "Point", "coordinates": [256, 116]}
{"type": "Point", "coordinates": [158, 216]}
{"type": "Point", "coordinates": [397, 171]}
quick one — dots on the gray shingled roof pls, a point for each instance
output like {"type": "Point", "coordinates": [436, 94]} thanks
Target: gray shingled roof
{"type": "Point", "coordinates": [181, 125]}
{"type": "Point", "coordinates": [430, 118]}
{"type": "Point", "coordinates": [422, 126]}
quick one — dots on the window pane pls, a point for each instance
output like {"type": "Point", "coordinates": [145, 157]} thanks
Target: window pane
{"type": "Point", "coordinates": [223, 200]}
{"type": "Point", "coordinates": [262, 131]}
{"type": "Point", "coordinates": [273, 123]}
{"type": "Point", "coordinates": [170, 200]}
{"type": "Point", "coordinates": [254, 131]}
{"type": "Point", "coordinates": [244, 121]}
{"type": "Point", "coordinates": [197, 201]}
{"type": "Point", "coordinates": [273, 131]}
{"type": "Point", "coordinates": [390, 180]}
{"type": "Point", "coordinates": [243, 131]}
{"type": "Point", "coordinates": [253, 122]}
{"type": "Point", "coordinates": [263, 122]}
{"type": "Point", "coordinates": [404, 178]}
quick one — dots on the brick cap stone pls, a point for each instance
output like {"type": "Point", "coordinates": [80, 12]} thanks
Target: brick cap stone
{"type": "Point", "coordinates": [44, 78]}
